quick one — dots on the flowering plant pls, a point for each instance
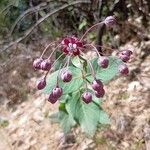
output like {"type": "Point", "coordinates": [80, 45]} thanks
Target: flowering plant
{"type": "Point", "coordinates": [78, 83]}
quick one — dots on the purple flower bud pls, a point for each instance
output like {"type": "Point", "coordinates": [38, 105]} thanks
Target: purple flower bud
{"type": "Point", "coordinates": [41, 84]}
{"type": "Point", "coordinates": [57, 92]}
{"type": "Point", "coordinates": [87, 97]}
{"type": "Point", "coordinates": [123, 57]}
{"type": "Point", "coordinates": [45, 65]}
{"type": "Point", "coordinates": [52, 99]}
{"type": "Point", "coordinates": [123, 69]}
{"type": "Point", "coordinates": [126, 52]}
{"type": "Point", "coordinates": [66, 76]}
{"type": "Point", "coordinates": [97, 85]}
{"type": "Point", "coordinates": [37, 63]}
{"type": "Point", "coordinates": [100, 93]}
{"type": "Point", "coordinates": [103, 62]}
{"type": "Point", "coordinates": [110, 21]}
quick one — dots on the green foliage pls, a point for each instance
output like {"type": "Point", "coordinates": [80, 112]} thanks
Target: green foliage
{"type": "Point", "coordinates": [82, 24]}
{"type": "Point", "coordinates": [105, 74]}
{"type": "Point", "coordinates": [70, 87]}
{"type": "Point", "coordinates": [66, 121]}
{"type": "Point", "coordinates": [72, 109]}
{"type": "Point", "coordinates": [3, 123]}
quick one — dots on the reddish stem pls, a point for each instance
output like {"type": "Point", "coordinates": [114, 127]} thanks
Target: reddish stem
{"type": "Point", "coordinates": [47, 48]}
{"type": "Point", "coordinates": [97, 24]}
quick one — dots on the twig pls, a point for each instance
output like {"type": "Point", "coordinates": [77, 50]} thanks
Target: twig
{"type": "Point", "coordinates": [7, 7]}
{"type": "Point", "coordinates": [40, 21]}
{"type": "Point", "coordinates": [28, 11]}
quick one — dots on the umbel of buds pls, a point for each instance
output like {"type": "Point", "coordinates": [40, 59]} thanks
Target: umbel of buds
{"type": "Point", "coordinates": [41, 84]}
{"type": "Point", "coordinates": [110, 21]}
{"type": "Point", "coordinates": [97, 84]}
{"type": "Point", "coordinates": [124, 55]}
{"type": "Point", "coordinates": [123, 69]}
{"type": "Point", "coordinates": [98, 87]}
{"type": "Point", "coordinates": [103, 62]}
{"type": "Point", "coordinates": [87, 97]}
{"type": "Point", "coordinates": [37, 63]}
{"type": "Point", "coordinates": [40, 64]}
{"type": "Point", "coordinates": [55, 94]}
{"type": "Point", "coordinates": [71, 47]}
{"type": "Point", "coordinates": [66, 76]}
{"type": "Point", "coordinates": [45, 65]}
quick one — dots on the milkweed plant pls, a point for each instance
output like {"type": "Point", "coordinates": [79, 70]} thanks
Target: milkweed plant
{"type": "Point", "coordinates": [76, 82]}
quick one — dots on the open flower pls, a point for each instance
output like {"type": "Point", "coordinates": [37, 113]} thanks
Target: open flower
{"type": "Point", "coordinates": [71, 45]}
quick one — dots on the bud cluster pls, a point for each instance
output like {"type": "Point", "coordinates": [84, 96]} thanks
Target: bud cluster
{"type": "Point", "coordinates": [55, 94]}
{"type": "Point", "coordinates": [72, 47]}
{"type": "Point", "coordinates": [124, 55]}
{"type": "Point", "coordinates": [40, 64]}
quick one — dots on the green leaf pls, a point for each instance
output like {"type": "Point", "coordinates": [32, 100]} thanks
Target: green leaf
{"type": "Point", "coordinates": [76, 62]}
{"type": "Point", "coordinates": [105, 74]}
{"type": "Point", "coordinates": [70, 87]}
{"type": "Point", "coordinates": [82, 24]}
{"type": "Point", "coordinates": [96, 100]}
{"type": "Point", "coordinates": [66, 121]}
{"type": "Point", "coordinates": [4, 123]}
{"type": "Point", "coordinates": [64, 98]}
{"type": "Point", "coordinates": [16, 3]}
{"type": "Point", "coordinates": [54, 117]}
{"type": "Point", "coordinates": [87, 116]}
{"type": "Point", "coordinates": [103, 118]}
{"type": "Point", "coordinates": [72, 103]}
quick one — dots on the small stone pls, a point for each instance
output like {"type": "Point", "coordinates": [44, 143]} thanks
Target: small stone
{"type": "Point", "coordinates": [134, 85]}
{"type": "Point", "coordinates": [38, 116]}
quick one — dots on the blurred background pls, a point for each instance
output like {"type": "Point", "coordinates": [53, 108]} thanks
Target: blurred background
{"type": "Point", "coordinates": [24, 111]}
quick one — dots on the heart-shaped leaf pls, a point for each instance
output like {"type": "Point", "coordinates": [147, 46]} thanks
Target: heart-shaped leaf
{"type": "Point", "coordinates": [105, 74]}
{"type": "Point", "coordinates": [69, 87]}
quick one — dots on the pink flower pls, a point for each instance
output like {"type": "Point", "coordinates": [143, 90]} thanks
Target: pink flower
{"type": "Point", "coordinates": [71, 45]}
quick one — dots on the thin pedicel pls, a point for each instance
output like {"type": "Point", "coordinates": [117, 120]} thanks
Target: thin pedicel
{"type": "Point", "coordinates": [73, 47]}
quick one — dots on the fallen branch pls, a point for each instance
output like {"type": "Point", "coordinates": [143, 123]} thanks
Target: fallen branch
{"type": "Point", "coordinates": [28, 11]}
{"type": "Point", "coordinates": [6, 8]}
{"type": "Point", "coordinates": [40, 21]}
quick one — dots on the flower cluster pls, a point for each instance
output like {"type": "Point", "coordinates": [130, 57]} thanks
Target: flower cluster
{"type": "Point", "coordinates": [72, 47]}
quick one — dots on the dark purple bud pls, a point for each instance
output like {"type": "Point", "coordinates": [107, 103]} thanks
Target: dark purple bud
{"type": "Point", "coordinates": [87, 97]}
{"type": "Point", "coordinates": [41, 84]}
{"type": "Point", "coordinates": [123, 57]}
{"type": "Point", "coordinates": [103, 62]}
{"type": "Point", "coordinates": [97, 85]}
{"type": "Point", "coordinates": [52, 99]}
{"type": "Point", "coordinates": [123, 69]}
{"type": "Point", "coordinates": [100, 93]}
{"type": "Point", "coordinates": [57, 92]}
{"type": "Point", "coordinates": [66, 76]}
{"type": "Point", "coordinates": [126, 52]}
{"type": "Point", "coordinates": [45, 65]}
{"type": "Point", "coordinates": [110, 21]}
{"type": "Point", "coordinates": [37, 63]}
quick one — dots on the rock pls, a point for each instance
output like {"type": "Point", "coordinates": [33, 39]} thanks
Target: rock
{"type": "Point", "coordinates": [147, 132]}
{"type": "Point", "coordinates": [12, 128]}
{"type": "Point", "coordinates": [38, 116]}
{"type": "Point", "coordinates": [59, 136]}
{"type": "Point", "coordinates": [23, 120]}
{"type": "Point", "coordinates": [44, 147]}
{"type": "Point", "coordinates": [65, 139]}
{"type": "Point", "coordinates": [135, 85]}
{"type": "Point", "coordinates": [16, 114]}
{"type": "Point", "coordinates": [87, 144]}
{"type": "Point", "coordinates": [39, 103]}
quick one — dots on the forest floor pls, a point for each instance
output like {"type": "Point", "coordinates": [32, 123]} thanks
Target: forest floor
{"type": "Point", "coordinates": [24, 111]}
